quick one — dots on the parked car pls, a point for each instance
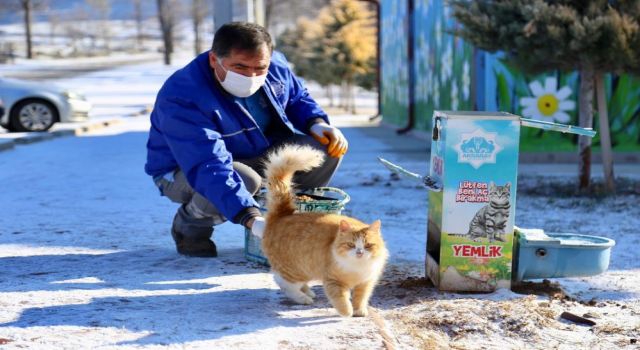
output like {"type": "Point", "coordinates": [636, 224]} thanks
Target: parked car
{"type": "Point", "coordinates": [36, 106]}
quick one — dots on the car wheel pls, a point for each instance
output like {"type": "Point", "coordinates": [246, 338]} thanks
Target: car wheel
{"type": "Point", "coordinates": [33, 115]}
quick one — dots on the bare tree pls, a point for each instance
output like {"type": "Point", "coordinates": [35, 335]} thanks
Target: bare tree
{"type": "Point", "coordinates": [268, 10]}
{"type": "Point", "coordinates": [74, 25]}
{"type": "Point", "coordinates": [138, 17]}
{"type": "Point", "coordinates": [54, 23]}
{"type": "Point", "coordinates": [27, 7]}
{"type": "Point", "coordinates": [101, 10]}
{"type": "Point", "coordinates": [167, 24]}
{"type": "Point", "coordinates": [199, 11]}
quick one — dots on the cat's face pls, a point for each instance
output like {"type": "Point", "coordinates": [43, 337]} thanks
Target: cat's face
{"type": "Point", "coordinates": [359, 243]}
{"type": "Point", "coordinates": [500, 194]}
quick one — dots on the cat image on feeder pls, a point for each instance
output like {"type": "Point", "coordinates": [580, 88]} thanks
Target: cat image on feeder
{"type": "Point", "coordinates": [490, 221]}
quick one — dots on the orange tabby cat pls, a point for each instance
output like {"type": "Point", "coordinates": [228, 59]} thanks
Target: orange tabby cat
{"type": "Point", "coordinates": [342, 252]}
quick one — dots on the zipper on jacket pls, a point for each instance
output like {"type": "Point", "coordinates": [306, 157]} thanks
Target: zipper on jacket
{"type": "Point", "coordinates": [248, 115]}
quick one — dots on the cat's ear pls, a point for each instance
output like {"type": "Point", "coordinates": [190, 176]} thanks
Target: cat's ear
{"type": "Point", "coordinates": [375, 226]}
{"type": "Point", "coordinates": [508, 186]}
{"type": "Point", "coordinates": [344, 226]}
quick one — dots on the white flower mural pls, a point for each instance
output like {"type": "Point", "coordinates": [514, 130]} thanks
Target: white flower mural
{"type": "Point", "coordinates": [548, 103]}
{"type": "Point", "coordinates": [423, 88]}
{"type": "Point", "coordinates": [428, 80]}
{"type": "Point", "coordinates": [454, 95]}
{"type": "Point", "coordinates": [436, 93]}
{"type": "Point", "coordinates": [422, 57]}
{"type": "Point", "coordinates": [466, 80]}
{"type": "Point", "coordinates": [447, 11]}
{"type": "Point", "coordinates": [446, 69]}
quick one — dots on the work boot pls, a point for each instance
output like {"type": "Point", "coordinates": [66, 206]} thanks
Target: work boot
{"type": "Point", "coordinates": [192, 236]}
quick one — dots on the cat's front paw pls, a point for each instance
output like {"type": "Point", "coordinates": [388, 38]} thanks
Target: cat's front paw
{"type": "Point", "coordinates": [346, 311]}
{"type": "Point", "coordinates": [362, 312]}
{"type": "Point", "coordinates": [306, 290]}
{"type": "Point", "coordinates": [302, 299]}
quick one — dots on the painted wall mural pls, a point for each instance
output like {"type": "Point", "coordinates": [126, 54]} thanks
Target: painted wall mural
{"type": "Point", "coordinates": [442, 65]}
{"type": "Point", "coordinates": [451, 75]}
{"type": "Point", "coordinates": [395, 72]}
{"type": "Point", "coordinates": [553, 97]}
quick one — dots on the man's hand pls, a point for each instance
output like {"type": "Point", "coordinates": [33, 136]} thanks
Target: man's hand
{"type": "Point", "coordinates": [326, 134]}
{"type": "Point", "coordinates": [256, 225]}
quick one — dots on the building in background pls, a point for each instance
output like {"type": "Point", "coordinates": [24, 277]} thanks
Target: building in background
{"type": "Point", "coordinates": [225, 11]}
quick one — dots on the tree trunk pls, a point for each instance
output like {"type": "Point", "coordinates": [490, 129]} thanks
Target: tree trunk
{"type": "Point", "coordinates": [106, 35]}
{"type": "Point", "coordinates": [329, 93]}
{"type": "Point", "coordinates": [605, 135]}
{"type": "Point", "coordinates": [342, 104]}
{"type": "Point", "coordinates": [197, 8]}
{"type": "Point", "coordinates": [586, 121]}
{"type": "Point", "coordinates": [268, 10]}
{"type": "Point", "coordinates": [26, 7]}
{"type": "Point", "coordinates": [352, 98]}
{"type": "Point", "coordinates": [347, 97]}
{"type": "Point", "coordinates": [166, 28]}
{"type": "Point", "coordinates": [53, 25]}
{"type": "Point", "coordinates": [137, 14]}
{"type": "Point", "coordinates": [196, 38]}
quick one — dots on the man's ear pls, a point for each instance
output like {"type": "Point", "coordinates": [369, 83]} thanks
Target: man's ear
{"type": "Point", "coordinates": [213, 59]}
{"type": "Point", "coordinates": [214, 63]}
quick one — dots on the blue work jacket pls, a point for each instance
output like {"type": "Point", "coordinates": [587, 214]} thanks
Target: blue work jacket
{"type": "Point", "coordinates": [198, 127]}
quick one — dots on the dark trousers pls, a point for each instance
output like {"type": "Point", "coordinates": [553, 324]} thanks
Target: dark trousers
{"type": "Point", "coordinates": [197, 215]}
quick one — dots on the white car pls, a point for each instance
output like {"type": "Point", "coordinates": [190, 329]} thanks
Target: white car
{"type": "Point", "coordinates": [36, 106]}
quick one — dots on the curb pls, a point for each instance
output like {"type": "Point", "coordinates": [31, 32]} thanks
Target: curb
{"type": "Point", "coordinates": [619, 157]}
{"type": "Point", "coordinates": [33, 138]}
{"type": "Point", "coordinates": [29, 138]}
{"type": "Point", "coordinates": [6, 145]}
{"type": "Point", "coordinates": [83, 129]}
{"type": "Point", "coordinates": [413, 133]}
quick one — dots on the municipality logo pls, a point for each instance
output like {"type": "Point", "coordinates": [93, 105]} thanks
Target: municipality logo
{"type": "Point", "coordinates": [477, 148]}
{"type": "Point", "coordinates": [277, 87]}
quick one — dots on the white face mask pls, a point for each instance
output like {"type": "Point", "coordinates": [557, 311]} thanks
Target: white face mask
{"type": "Point", "coordinates": [240, 85]}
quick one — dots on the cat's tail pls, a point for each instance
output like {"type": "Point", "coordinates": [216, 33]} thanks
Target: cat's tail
{"type": "Point", "coordinates": [279, 169]}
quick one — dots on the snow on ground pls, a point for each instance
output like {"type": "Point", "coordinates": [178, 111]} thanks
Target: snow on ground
{"type": "Point", "coordinates": [87, 260]}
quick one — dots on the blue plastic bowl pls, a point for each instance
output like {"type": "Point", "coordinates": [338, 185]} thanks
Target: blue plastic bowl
{"type": "Point", "coordinates": [561, 255]}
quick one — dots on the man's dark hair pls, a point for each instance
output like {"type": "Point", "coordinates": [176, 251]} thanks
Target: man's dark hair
{"type": "Point", "coordinates": [242, 36]}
